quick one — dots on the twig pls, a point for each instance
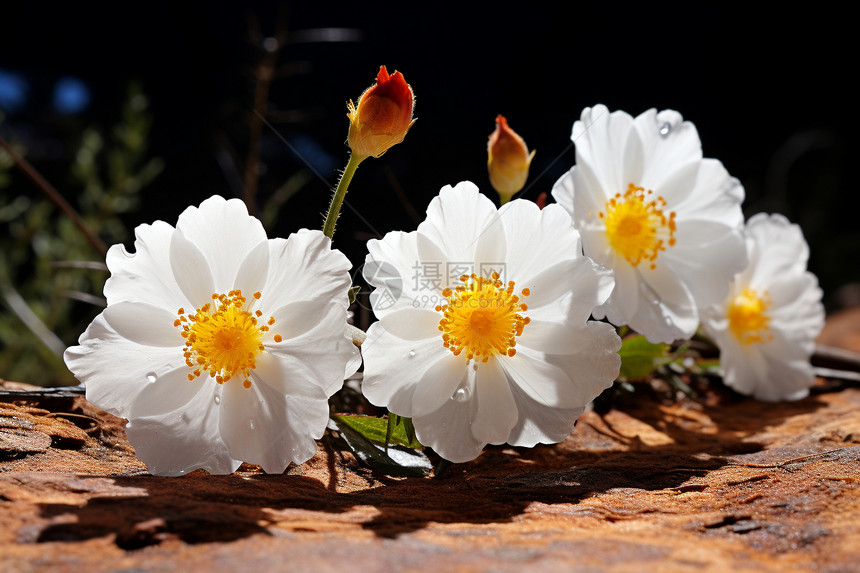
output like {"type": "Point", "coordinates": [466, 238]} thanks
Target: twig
{"type": "Point", "coordinates": [41, 393]}
{"type": "Point", "coordinates": [55, 197]}
{"type": "Point", "coordinates": [263, 75]}
{"type": "Point", "coordinates": [23, 311]}
{"type": "Point", "coordinates": [835, 358]}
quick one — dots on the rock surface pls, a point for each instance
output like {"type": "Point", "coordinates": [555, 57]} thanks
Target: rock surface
{"type": "Point", "coordinates": [714, 483]}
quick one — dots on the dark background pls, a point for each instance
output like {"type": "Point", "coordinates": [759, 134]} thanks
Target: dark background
{"type": "Point", "coordinates": [768, 90]}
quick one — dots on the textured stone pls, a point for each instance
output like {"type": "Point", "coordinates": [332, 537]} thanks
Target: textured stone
{"type": "Point", "coordinates": [715, 483]}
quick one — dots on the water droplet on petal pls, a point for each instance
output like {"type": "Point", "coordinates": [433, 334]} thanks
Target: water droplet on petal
{"type": "Point", "coordinates": [461, 394]}
{"type": "Point", "coordinates": [665, 129]}
{"type": "Point", "coordinates": [217, 400]}
{"type": "Point", "coordinates": [411, 354]}
{"type": "Point", "coordinates": [151, 377]}
{"type": "Point", "coordinates": [251, 424]}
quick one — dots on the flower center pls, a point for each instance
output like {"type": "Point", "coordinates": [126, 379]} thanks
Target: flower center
{"type": "Point", "coordinates": [637, 226]}
{"type": "Point", "coordinates": [748, 319]}
{"type": "Point", "coordinates": [482, 317]}
{"type": "Point", "coordinates": [222, 338]}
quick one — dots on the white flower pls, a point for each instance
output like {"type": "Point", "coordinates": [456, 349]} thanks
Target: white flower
{"type": "Point", "coordinates": [218, 344]}
{"type": "Point", "coordinates": [767, 325]}
{"type": "Point", "coordinates": [489, 341]}
{"type": "Point", "coordinates": [667, 222]}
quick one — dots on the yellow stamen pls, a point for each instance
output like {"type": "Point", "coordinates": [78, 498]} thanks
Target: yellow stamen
{"type": "Point", "coordinates": [748, 319]}
{"type": "Point", "coordinates": [482, 317]}
{"type": "Point", "coordinates": [222, 338]}
{"type": "Point", "coordinates": [637, 226]}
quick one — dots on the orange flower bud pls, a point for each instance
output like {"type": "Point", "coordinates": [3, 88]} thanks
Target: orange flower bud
{"type": "Point", "coordinates": [508, 160]}
{"type": "Point", "coordinates": [382, 117]}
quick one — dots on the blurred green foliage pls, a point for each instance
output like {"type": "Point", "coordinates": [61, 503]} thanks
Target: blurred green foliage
{"type": "Point", "coordinates": [51, 277]}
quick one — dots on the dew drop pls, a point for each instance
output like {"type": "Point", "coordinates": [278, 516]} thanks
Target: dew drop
{"type": "Point", "coordinates": [461, 394]}
{"type": "Point", "coordinates": [217, 400]}
{"type": "Point", "coordinates": [665, 129]}
{"type": "Point", "coordinates": [251, 424]}
{"type": "Point", "coordinates": [411, 354]}
{"type": "Point", "coordinates": [151, 377]}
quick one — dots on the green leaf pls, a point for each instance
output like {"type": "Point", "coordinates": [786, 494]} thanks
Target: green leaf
{"type": "Point", "coordinates": [353, 292]}
{"type": "Point", "coordinates": [639, 358]}
{"type": "Point", "coordinates": [409, 430]}
{"type": "Point", "coordinates": [389, 461]}
{"type": "Point", "coordinates": [377, 429]}
{"type": "Point", "coordinates": [710, 366]}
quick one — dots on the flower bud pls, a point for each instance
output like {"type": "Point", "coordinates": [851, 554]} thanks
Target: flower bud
{"type": "Point", "coordinates": [508, 160]}
{"type": "Point", "coordinates": [382, 117]}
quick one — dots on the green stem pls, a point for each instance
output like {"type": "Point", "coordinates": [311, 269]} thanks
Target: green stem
{"type": "Point", "coordinates": [339, 194]}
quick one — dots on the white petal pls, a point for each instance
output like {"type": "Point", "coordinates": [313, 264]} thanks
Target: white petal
{"type": "Point", "coordinates": [413, 324]}
{"type": "Point", "coordinates": [145, 275]}
{"type": "Point", "coordinates": [456, 218]}
{"type": "Point", "coordinates": [393, 365]}
{"type": "Point", "coordinates": [497, 411]}
{"type": "Point", "coordinates": [318, 355]}
{"type": "Point", "coordinates": [667, 310]}
{"type": "Point", "coordinates": [675, 185]}
{"type": "Point", "coordinates": [491, 248]}
{"type": "Point", "coordinates": [570, 380]}
{"type": "Point", "coordinates": [191, 270]}
{"type": "Point", "coordinates": [802, 318]}
{"type": "Point", "coordinates": [253, 271]}
{"type": "Point", "coordinates": [448, 431]}
{"type": "Point", "coordinates": [288, 375]}
{"type": "Point", "coordinates": [778, 249]}
{"type": "Point", "coordinates": [538, 423]}
{"type": "Point", "coordinates": [144, 324]}
{"type": "Point", "coordinates": [590, 196]}
{"type": "Point", "coordinates": [665, 152]}
{"type": "Point", "coordinates": [183, 440]}
{"type": "Point", "coordinates": [434, 262]}
{"type": "Point", "coordinates": [262, 426]}
{"type": "Point", "coordinates": [562, 192]}
{"type": "Point", "coordinates": [554, 337]}
{"type": "Point", "coordinates": [573, 288]}
{"type": "Point", "coordinates": [536, 238]}
{"type": "Point", "coordinates": [224, 232]}
{"type": "Point", "coordinates": [438, 384]}
{"type": "Point", "coordinates": [706, 257]}
{"type": "Point", "coordinates": [393, 268]}
{"type": "Point", "coordinates": [596, 363]}
{"type": "Point", "coordinates": [717, 196]}
{"type": "Point", "coordinates": [166, 393]}
{"type": "Point", "coordinates": [115, 369]}
{"type": "Point", "coordinates": [601, 139]}
{"type": "Point", "coordinates": [304, 267]}
{"type": "Point", "coordinates": [595, 245]}
{"type": "Point", "coordinates": [624, 301]}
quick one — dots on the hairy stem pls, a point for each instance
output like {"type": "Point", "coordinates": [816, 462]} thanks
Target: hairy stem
{"type": "Point", "coordinates": [339, 194]}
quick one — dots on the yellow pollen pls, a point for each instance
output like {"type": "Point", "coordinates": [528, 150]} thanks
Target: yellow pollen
{"type": "Point", "coordinates": [481, 318]}
{"type": "Point", "coordinates": [222, 338]}
{"type": "Point", "coordinates": [637, 226]}
{"type": "Point", "coordinates": [748, 319]}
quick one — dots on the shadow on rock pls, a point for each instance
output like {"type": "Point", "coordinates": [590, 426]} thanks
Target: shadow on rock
{"type": "Point", "coordinates": [197, 508]}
